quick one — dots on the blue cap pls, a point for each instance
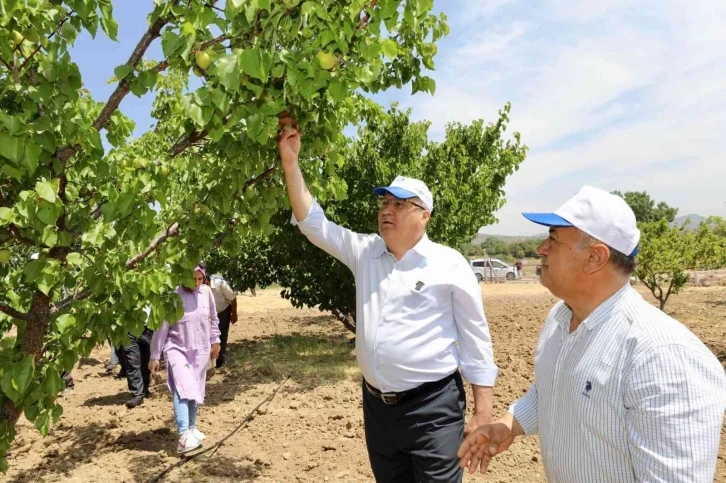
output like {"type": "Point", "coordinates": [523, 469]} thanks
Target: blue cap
{"type": "Point", "coordinates": [397, 192]}
{"type": "Point", "coordinates": [547, 219]}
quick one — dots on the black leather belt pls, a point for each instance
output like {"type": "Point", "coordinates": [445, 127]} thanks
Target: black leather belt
{"type": "Point", "coordinates": [399, 397]}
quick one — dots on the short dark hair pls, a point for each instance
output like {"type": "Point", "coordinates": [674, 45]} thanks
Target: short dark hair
{"type": "Point", "coordinates": [625, 264]}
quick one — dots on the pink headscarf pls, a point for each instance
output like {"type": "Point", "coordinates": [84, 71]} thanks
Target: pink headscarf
{"type": "Point", "coordinates": [202, 267]}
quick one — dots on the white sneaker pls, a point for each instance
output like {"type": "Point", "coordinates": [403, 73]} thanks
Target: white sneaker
{"type": "Point", "coordinates": [197, 434]}
{"type": "Point", "coordinates": [187, 442]}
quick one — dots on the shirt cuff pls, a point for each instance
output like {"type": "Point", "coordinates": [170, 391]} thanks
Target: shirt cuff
{"type": "Point", "coordinates": [525, 412]}
{"type": "Point", "coordinates": [314, 208]}
{"type": "Point", "coordinates": [480, 376]}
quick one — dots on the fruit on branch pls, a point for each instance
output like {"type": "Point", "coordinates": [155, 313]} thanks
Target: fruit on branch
{"type": "Point", "coordinates": [326, 60]}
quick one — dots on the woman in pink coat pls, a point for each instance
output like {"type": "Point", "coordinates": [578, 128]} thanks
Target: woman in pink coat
{"type": "Point", "coordinates": [187, 347]}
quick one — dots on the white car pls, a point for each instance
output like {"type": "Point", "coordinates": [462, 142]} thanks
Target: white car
{"type": "Point", "coordinates": [483, 269]}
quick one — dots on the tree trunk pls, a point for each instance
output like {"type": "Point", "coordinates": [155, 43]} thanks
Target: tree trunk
{"type": "Point", "coordinates": [346, 320]}
{"type": "Point", "coordinates": [31, 342]}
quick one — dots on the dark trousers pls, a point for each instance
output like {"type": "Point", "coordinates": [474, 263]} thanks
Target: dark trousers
{"type": "Point", "coordinates": [136, 355]}
{"type": "Point", "coordinates": [416, 441]}
{"type": "Point", "coordinates": [224, 318]}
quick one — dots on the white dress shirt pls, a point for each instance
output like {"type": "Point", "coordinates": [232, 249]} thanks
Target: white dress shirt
{"type": "Point", "coordinates": [631, 395]}
{"type": "Point", "coordinates": [223, 293]}
{"type": "Point", "coordinates": [410, 313]}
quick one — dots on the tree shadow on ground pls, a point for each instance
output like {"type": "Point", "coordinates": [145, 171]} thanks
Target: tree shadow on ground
{"type": "Point", "coordinates": [79, 444]}
{"type": "Point", "coordinates": [108, 400]}
{"type": "Point", "coordinates": [202, 469]}
{"type": "Point", "coordinates": [315, 360]}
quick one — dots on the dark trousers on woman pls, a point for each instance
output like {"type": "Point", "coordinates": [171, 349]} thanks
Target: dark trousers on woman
{"type": "Point", "coordinates": [224, 317]}
{"type": "Point", "coordinates": [416, 440]}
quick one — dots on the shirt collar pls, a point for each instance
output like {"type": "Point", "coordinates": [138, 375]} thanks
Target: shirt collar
{"type": "Point", "coordinates": [422, 248]}
{"type": "Point", "coordinates": [602, 313]}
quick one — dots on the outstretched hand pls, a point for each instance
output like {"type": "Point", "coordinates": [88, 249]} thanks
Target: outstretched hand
{"type": "Point", "coordinates": [480, 446]}
{"type": "Point", "coordinates": [288, 141]}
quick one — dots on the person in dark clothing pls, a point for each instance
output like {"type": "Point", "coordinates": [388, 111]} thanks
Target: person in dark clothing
{"type": "Point", "coordinates": [135, 362]}
{"type": "Point", "coordinates": [136, 355]}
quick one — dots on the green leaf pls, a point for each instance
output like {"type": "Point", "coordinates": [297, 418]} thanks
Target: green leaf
{"type": "Point", "coordinates": [225, 68]}
{"type": "Point", "coordinates": [46, 191]}
{"type": "Point", "coordinates": [196, 113]}
{"type": "Point", "coordinates": [65, 322]}
{"type": "Point", "coordinates": [48, 213]}
{"type": "Point", "coordinates": [6, 216]}
{"type": "Point", "coordinates": [11, 147]}
{"type": "Point", "coordinates": [50, 236]}
{"type": "Point", "coordinates": [138, 89]}
{"type": "Point", "coordinates": [122, 71]}
{"type": "Point", "coordinates": [110, 27]}
{"type": "Point", "coordinates": [17, 378]}
{"type": "Point", "coordinates": [74, 258]}
{"type": "Point", "coordinates": [389, 48]}
{"type": "Point", "coordinates": [33, 269]}
{"type": "Point", "coordinates": [338, 89]}
{"type": "Point", "coordinates": [30, 156]}
{"type": "Point", "coordinates": [148, 78]}
{"type": "Point", "coordinates": [388, 8]}
{"type": "Point", "coordinates": [256, 63]}
{"type": "Point", "coordinates": [170, 43]}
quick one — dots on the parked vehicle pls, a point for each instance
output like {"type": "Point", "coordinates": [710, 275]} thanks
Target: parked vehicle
{"type": "Point", "coordinates": [492, 268]}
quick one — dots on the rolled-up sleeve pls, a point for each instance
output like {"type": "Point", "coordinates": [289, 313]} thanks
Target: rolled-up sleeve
{"type": "Point", "coordinates": [226, 290]}
{"type": "Point", "coordinates": [675, 405]}
{"type": "Point", "coordinates": [337, 241]}
{"type": "Point", "coordinates": [475, 342]}
{"type": "Point", "coordinates": [524, 410]}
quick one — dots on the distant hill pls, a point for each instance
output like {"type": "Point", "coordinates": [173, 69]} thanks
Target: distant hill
{"type": "Point", "coordinates": [479, 239]}
{"type": "Point", "coordinates": [695, 220]}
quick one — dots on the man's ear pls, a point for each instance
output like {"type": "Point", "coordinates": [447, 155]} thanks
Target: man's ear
{"type": "Point", "coordinates": [598, 258]}
{"type": "Point", "coordinates": [426, 216]}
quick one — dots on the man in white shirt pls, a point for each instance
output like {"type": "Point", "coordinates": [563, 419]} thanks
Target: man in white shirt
{"type": "Point", "coordinates": [419, 317]}
{"type": "Point", "coordinates": [225, 300]}
{"type": "Point", "coordinates": [622, 391]}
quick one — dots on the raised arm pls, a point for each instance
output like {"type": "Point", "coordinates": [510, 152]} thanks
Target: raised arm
{"type": "Point", "coordinates": [297, 191]}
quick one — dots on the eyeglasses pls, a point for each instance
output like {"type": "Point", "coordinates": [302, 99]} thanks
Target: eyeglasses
{"type": "Point", "coordinates": [398, 204]}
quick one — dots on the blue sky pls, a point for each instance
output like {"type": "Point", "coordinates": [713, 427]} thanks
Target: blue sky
{"type": "Point", "coordinates": [626, 95]}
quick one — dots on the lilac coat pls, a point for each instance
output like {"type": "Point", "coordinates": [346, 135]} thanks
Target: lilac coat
{"type": "Point", "coordinates": [187, 344]}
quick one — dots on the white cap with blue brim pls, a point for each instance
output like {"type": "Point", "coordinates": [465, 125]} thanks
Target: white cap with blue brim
{"type": "Point", "coordinates": [602, 215]}
{"type": "Point", "coordinates": [405, 188]}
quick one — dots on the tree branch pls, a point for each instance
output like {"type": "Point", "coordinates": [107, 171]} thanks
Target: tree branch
{"type": "Point", "coordinates": [344, 319]}
{"type": "Point", "coordinates": [230, 226]}
{"type": "Point", "coordinates": [171, 231]}
{"type": "Point", "coordinates": [6, 64]}
{"type": "Point", "coordinates": [124, 86]}
{"type": "Point", "coordinates": [16, 314]}
{"type": "Point", "coordinates": [186, 142]}
{"type": "Point", "coordinates": [60, 25]}
{"type": "Point", "coordinates": [69, 300]}
{"type": "Point", "coordinates": [15, 231]}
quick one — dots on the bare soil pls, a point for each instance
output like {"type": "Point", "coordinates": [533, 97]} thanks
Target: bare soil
{"type": "Point", "coordinates": [312, 431]}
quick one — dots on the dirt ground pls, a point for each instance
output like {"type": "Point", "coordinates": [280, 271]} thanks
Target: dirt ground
{"type": "Point", "coordinates": [312, 431]}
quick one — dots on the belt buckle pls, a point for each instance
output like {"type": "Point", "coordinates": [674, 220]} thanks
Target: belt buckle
{"type": "Point", "coordinates": [389, 398]}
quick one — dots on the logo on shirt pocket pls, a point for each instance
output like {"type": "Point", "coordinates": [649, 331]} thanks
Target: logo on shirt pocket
{"type": "Point", "coordinates": [588, 388]}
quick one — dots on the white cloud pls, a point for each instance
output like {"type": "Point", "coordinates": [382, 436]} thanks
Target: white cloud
{"type": "Point", "coordinates": [625, 95]}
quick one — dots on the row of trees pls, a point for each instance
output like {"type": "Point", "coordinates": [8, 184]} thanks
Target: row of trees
{"type": "Point", "coordinates": [498, 248]}
{"type": "Point", "coordinates": [669, 253]}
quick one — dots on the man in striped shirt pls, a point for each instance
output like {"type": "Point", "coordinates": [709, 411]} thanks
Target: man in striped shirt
{"type": "Point", "coordinates": [622, 391]}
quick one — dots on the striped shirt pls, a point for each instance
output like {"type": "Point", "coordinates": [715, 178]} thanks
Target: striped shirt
{"type": "Point", "coordinates": [631, 395]}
